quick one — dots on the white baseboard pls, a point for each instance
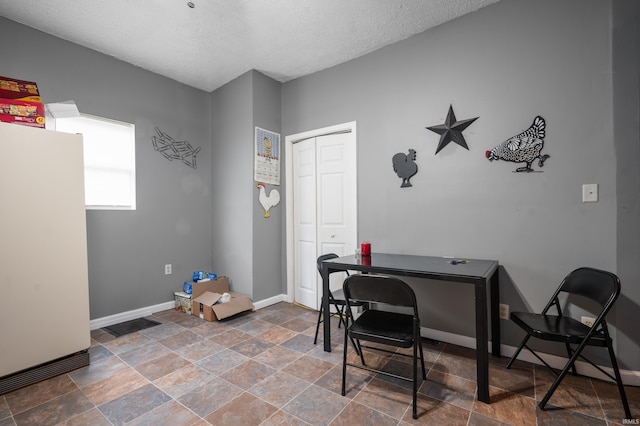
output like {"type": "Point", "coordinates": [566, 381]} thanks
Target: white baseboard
{"type": "Point", "coordinates": [130, 315]}
{"type": "Point", "coordinates": [629, 377]}
{"type": "Point", "coordinates": [143, 312]}
{"type": "Point", "coordinates": [270, 301]}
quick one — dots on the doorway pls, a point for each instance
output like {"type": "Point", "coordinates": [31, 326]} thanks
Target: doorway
{"type": "Point", "coordinates": [321, 216]}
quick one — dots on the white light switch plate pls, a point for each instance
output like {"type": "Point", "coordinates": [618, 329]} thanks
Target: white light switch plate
{"type": "Point", "coordinates": [590, 193]}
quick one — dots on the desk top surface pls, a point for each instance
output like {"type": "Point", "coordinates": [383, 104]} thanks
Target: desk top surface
{"type": "Point", "coordinates": [412, 265]}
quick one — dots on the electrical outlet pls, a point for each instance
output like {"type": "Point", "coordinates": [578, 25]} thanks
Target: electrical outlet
{"type": "Point", "coordinates": [504, 311]}
{"type": "Point", "coordinates": [590, 193]}
{"type": "Point", "coordinates": [167, 269]}
{"type": "Point", "coordinates": [588, 321]}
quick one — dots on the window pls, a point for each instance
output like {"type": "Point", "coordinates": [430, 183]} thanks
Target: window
{"type": "Point", "coordinates": [109, 160]}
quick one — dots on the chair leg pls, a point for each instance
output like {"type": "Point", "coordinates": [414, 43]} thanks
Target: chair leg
{"type": "Point", "coordinates": [573, 370]}
{"type": "Point", "coordinates": [320, 320]}
{"type": "Point", "coordinates": [340, 315]}
{"type": "Point", "coordinates": [349, 317]}
{"type": "Point", "coordinates": [315, 340]}
{"type": "Point", "coordinates": [563, 373]}
{"type": "Point", "coordinates": [515, 355]}
{"type": "Point", "coordinates": [344, 361]}
{"type": "Point", "coordinates": [358, 346]}
{"type": "Point", "coordinates": [416, 342]}
{"type": "Point", "coordinates": [616, 371]}
{"type": "Point", "coordinates": [338, 308]}
{"type": "Point", "coordinates": [424, 372]}
{"type": "Point", "coordinates": [361, 354]}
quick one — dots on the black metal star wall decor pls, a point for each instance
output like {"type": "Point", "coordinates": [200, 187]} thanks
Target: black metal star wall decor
{"type": "Point", "coordinates": [451, 130]}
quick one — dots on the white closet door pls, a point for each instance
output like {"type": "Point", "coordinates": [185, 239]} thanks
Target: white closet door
{"type": "Point", "coordinates": [325, 216]}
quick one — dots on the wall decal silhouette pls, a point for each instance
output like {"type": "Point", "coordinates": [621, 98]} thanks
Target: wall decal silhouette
{"type": "Point", "coordinates": [404, 166]}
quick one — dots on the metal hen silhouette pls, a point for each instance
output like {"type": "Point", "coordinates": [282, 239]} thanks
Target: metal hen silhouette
{"type": "Point", "coordinates": [523, 148]}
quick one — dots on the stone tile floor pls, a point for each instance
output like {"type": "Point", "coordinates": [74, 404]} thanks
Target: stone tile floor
{"type": "Point", "coordinates": [262, 368]}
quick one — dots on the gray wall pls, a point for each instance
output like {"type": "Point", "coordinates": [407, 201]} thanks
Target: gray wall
{"type": "Point", "coordinates": [506, 64]}
{"type": "Point", "coordinates": [245, 245]}
{"type": "Point", "coordinates": [232, 182]}
{"type": "Point", "coordinates": [268, 234]}
{"type": "Point", "coordinates": [127, 250]}
{"type": "Point", "coordinates": [626, 131]}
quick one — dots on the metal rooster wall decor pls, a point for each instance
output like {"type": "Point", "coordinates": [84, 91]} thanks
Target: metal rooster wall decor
{"type": "Point", "coordinates": [523, 148]}
{"type": "Point", "coordinates": [404, 166]}
{"type": "Point", "coordinates": [268, 201]}
{"type": "Point", "coordinates": [175, 150]}
{"type": "Point", "coordinates": [451, 130]}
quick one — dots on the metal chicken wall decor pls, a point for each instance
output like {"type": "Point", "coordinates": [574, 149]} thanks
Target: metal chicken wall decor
{"type": "Point", "coordinates": [268, 201]}
{"type": "Point", "coordinates": [525, 147]}
{"type": "Point", "coordinates": [404, 166]}
{"type": "Point", "coordinates": [451, 130]}
{"type": "Point", "coordinates": [175, 150]}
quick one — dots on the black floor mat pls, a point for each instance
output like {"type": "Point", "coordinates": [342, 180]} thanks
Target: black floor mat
{"type": "Point", "coordinates": [130, 326]}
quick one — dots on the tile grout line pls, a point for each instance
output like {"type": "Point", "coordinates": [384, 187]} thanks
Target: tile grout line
{"type": "Point", "coordinates": [309, 352]}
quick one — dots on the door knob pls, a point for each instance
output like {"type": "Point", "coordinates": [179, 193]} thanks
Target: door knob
{"type": "Point", "coordinates": [333, 235]}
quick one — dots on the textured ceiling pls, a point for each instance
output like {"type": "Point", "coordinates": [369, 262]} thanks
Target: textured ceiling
{"type": "Point", "coordinates": [218, 40]}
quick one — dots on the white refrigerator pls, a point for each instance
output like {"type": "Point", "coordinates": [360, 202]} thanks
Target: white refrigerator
{"type": "Point", "coordinates": [44, 315]}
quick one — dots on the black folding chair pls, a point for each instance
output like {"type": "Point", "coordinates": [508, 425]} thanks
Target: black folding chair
{"type": "Point", "coordinates": [600, 286]}
{"type": "Point", "coordinates": [401, 330]}
{"type": "Point", "coordinates": [337, 299]}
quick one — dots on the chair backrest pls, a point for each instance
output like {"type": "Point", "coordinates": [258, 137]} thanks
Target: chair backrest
{"type": "Point", "coordinates": [600, 286]}
{"type": "Point", "coordinates": [323, 258]}
{"type": "Point", "coordinates": [380, 289]}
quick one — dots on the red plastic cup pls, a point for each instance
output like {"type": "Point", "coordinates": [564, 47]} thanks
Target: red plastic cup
{"type": "Point", "coordinates": [365, 249]}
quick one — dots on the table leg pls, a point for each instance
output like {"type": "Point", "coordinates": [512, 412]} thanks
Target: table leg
{"type": "Point", "coordinates": [482, 342]}
{"type": "Point", "coordinates": [495, 314]}
{"type": "Point", "coordinates": [326, 323]}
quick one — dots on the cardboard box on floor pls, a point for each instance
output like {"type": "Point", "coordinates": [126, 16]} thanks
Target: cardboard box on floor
{"type": "Point", "coordinates": [206, 294]}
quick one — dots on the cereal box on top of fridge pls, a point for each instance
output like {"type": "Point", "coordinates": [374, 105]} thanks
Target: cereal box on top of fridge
{"type": "Point", "coordinates": [20, 102]}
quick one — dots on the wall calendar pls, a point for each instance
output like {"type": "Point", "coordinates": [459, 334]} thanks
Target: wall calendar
{"type": "Point", "coordinates": [267, 157]}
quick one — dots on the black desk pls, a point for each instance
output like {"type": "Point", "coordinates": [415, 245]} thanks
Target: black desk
{"type": "Point", "coordinates": [480, 273]}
